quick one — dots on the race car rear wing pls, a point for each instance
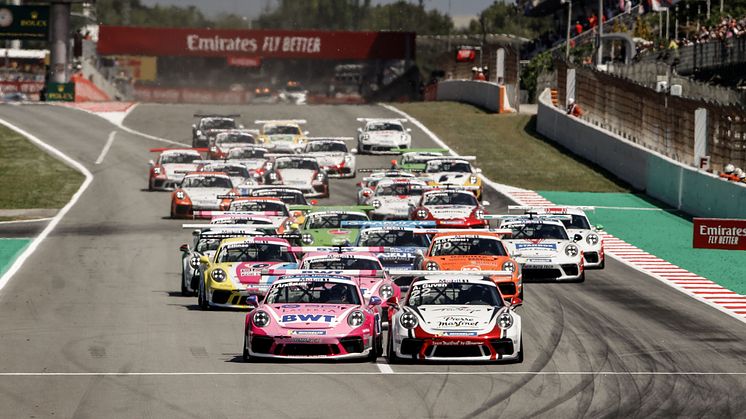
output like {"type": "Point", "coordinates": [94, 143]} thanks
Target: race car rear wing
{"type": "Point", "coordinates": [280, 121]}
{"type": "Point", "coordinates": [162, 149]}
{"type": "Point", "coordinates": [526, 216]}
{"type": "Point", "coordinates": [237, 213]}
{"type": "Point", "coordinates": [467, 158]}
{"type": "Point", "coordinates": [380, 274]}
{"type": "Point", "coordinates": [338, 249]}
{"type": "Point", "coordinates": [447, 187]}
{"type": "Point", "coordinates": [465, 231]}
{"type": "Point", "coordinates": [388, 224]}
{"type": "Point", "coordinates": [381, 119]}
{"type": "Point", "coordinates": [216, 115]}
{"type": "Point", "coordinates": [388, 169]}
{"type": "Point", "coordinates": [323, 208]}
{"type": "Point", "coordinates": [420, 150]}
{"type": "Point", "coordinates": [330, 138]}
{"type": "Point", "coordinates": [554, 209]}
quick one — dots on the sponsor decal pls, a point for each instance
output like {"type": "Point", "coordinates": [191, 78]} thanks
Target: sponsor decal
{"type": "Point", "coordinates": [308, 332]}
{"type": "Point", "coordinates": [455, 343]}
{"type": "Point", "coordinates": [316, 318]}
{"type": "Point", "coordinates": [548, 246]}
{"type": "Point", "coordinates": [460, 333]}
{"type": "Point", "coordinates": [458, 321]}
{"type": "Point", "coordinates": [715, 233]}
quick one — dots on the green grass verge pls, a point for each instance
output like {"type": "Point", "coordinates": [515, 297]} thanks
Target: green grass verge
{"type": "Point", "coordinates": [509, 150]}
{"type": "Point", "coordinates": [32, 178]}
{"type": "Point", "coordinates": [640, 222]}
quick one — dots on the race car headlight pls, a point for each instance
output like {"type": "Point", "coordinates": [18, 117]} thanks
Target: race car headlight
{"type": "Point", "coordinates": [273, 176]}
{"type": "Point", "coordinates": [508, 266]}
{"type": "Point", "coordinates": [348, 158]}
{"type": "Point", "coordinates": [432, 266]}
{"type": "Point", "coordinates": [592, 239]}
{"type": "Point", "coordinates": [157, 170]}
{"type": "Point", "coordinates": [180, 195]}
{"type": "Point", "coordinates": [408, 320]}
{"type": "Point", "coordinates": [320, 177]}
{"type": "Point", "coordinates": [356, 318]}
{"type": "Point", "coordinates": [386, 292]}
{"type": "Point", "coordinates": [505, 320]}
{"type": "Point", "coordinates": [218, 275]}
{"type": "Point", "coordinates": [571, 250]}
{"type": "Point", "coordinates": [421, 213]}
{"type": "Point", "coordinates": [260, 319]}
{"type": "Point", "coordinates": [473, 179]}
{"type": "Point", "coordinates": [213, 149]}
{"type": "Point", "coordinates": [376, 204]}
{"type": "Point", "coordinates": [194, 262]}
{"type": "Point", "coordinates": [307, 239]}
{"type": "Point", "coordinates": [479, 214]}
{"type": "Point", "coordinates": [365, 137]}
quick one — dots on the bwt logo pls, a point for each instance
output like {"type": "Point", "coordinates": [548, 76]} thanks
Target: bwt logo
{"type": "Point", "coordinates": [289, 318]}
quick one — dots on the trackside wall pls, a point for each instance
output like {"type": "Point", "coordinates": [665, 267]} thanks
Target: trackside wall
{"type": "Point", "coordinates": [483, 94]}
{"type": "Point", "coordinates": [682, 187]}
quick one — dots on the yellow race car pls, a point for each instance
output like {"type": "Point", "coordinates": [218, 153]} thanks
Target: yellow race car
{"type": "Point", "coordinates": [282, 136]}
{"type": "Point", "coordinates": [233, 273]}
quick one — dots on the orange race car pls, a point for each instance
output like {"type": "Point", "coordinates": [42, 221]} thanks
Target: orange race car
{"type": "Point", "coordinates": [475, 251]}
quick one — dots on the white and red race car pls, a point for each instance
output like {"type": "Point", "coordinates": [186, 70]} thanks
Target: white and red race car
{"type": "Point", "coordinates": [200, 191]}
{"type": "Point", "coordinates": [168, 170]}
{"type": "Point", "coordinates": [392, 199]}
{"type": "Point", "coordinates": [333, 156]}
{"type": "Point", "coordinates": [454, 208]}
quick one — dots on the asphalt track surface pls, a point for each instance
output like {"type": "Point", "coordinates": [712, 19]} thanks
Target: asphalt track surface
{"type": "Point", "coordinates": [93, 325]}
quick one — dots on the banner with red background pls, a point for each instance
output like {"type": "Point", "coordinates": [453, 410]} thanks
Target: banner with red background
{"type": "Point", "coordinates": [716, 233]}
{"type": "Point", "coordinates": [125, 40]}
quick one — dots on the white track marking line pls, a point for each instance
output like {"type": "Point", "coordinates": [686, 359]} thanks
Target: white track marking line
{"type": "Point", "coordinates": [34, 220]}
{"type": "Point", "coordinates": [294, 373]}
{"type": "Point", "coordinates": [56, 219]}
{"type": "Point", "coordinates": [384, 367]}
{"type": "Point", "coordinates": [101, 156]}
{"type": "Point", "coordinates": [522, 195]}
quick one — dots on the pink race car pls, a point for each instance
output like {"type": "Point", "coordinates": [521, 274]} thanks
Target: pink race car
{"type": "Point", "coordinates": [312, 314]}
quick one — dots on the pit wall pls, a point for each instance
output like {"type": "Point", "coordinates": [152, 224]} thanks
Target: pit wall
{"type": "Point", "coordinates": [682, 187]}
{"type": "Point", "coordinates": [483, 94]}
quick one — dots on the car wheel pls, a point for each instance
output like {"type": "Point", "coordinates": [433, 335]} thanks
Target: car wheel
{"type": "Point", "coordinates": [202, 298]}
{"type": "Point", "coordinates": [150, 185]}
{"type": "Point", "coordinates": [602, 264]}
{"type": "Point", "coordinates": [581, 278]}
{"type": "Point", "coordinates": [519, 360]}
{"type": "Point", "coordinates": [246, 356]}
{"type": "Point", "coordinates": [184, 289]}
{"type": "Point", "coordinates": [377, 349]}
{"type": "Point", "coordinates": [390, 352]}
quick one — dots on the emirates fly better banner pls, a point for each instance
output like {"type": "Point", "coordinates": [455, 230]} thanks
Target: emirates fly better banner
{"type": "Point", "coordinates": [716, 233]}
{"type": "Point", "coordinates": [121, 40]}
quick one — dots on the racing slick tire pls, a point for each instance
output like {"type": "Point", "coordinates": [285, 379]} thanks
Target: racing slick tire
{"type": "Point", "coordinates": [377, 349]}
{"type": "Point", "coordinates": [246, 356]}
{"type": "Point", "coordinates": [519, 360]}
{"type": "Point", "coordinates": [184, 290]}
{"type": "Point", "coordinates": [390, 353]}
{"type": "Point", "coordinates": [201, 299]}
{"type": "Point", "coordinates": [581, 278]}
{"type": "Point", "coordinates": [602, 264]}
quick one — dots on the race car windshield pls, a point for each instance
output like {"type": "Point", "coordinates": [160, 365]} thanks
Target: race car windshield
{"type": "Point", "coordinates": [207, 182]}
{"type": "Point", "coordinates": [297, 164]}
{"type": "Point", "coordinates": [399, 190]}
{"type": "Point", "coordinates": [320, 292]}
{"type": "Point", "coordinates": [323, 147]}
{"type": "Point", "coordinates": [255, 253]}
{"type": "Point", "coordinates": [533, 231]}
{"type": "Point", "coordinates": [467, 246]}
{"type": "Point", "coordinates": [232, 171]}
{"type": "Point", "coordinates": [577, 222]}
{"type": "Point", "coordinates": [401, 238]}
{"type": "Point", "coordinates": [385, 126]}
{"type": "Point", "coordinates": [180, 158]}
{"type": "Point", "coordinates": [451, 199]}
{"type": "Point", "coordinates": [257, 206]}
{"type": "Point", "coordinates": [332, 220]}
{"type": "Point", "coordinates": [207, 244]}
{"type": "Point", "coordinates": [447, 166]}
{"type": "Point", "coordinates": [453, 293]}
{"type": "Point", "coordinates": [218, 124]}
{"type": "Point", "coordinates": [245, 153]}
{"type": "Point", "coordinates": [282, 130]}
{"type": "Point", "coordinates": [344, 263]}
{"type": "Point", "coordinates": [236, 139]}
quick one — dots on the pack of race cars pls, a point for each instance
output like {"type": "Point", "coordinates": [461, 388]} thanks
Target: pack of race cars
{"type": "Point", "coordinates": [419, 253]}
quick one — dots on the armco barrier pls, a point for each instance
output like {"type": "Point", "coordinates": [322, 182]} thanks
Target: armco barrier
{"type": "Point", "coordinates": [682, 187]}
{"type": "Point", "coordinates": [483, 94]}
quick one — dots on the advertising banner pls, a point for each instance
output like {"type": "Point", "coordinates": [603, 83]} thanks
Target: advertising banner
{"type": "Point", "coordinates": [125, 40]}
{"type": "Point", "coordinates": [244, 61]}
{"type": "Point", "coordinates": [60, 92]}
{"type": "Point", "coordinates": [24, 22]}
{"type": "Point", "coordinates": [718, 233]}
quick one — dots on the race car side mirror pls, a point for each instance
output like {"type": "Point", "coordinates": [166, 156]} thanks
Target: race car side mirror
{"type": "Point", "coordinates": [151, 162]}
{"type": "Point", "coordinates": [577, 238]}
{"type": "Point", "coordinates": [485, 203]}
{"type": "Point", "coordinates": [516, 302]}
{"type": "Point", "coordinates": [184, 248]}
{"type": "Point", "coordinates": [375, 301]}
{"type": "Point", "coordinates": [599, 227]}
{"type": "Point", "coordinates": [360, 130]}
{"type": "Point", "coordinates": [477, 170]}
{"type": "Point", "coordinates": [392, 301]}
{"type": "Point", "coordinates": [409, 129]}
{"type": "Point", "coordinates": [252, 301]}
{"type": "Point", "coordinates": [204, 259]}
{"type": "Point", "coordinates": [353, 151]}
{"type": "Point", "coordinates": [314, 202]}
